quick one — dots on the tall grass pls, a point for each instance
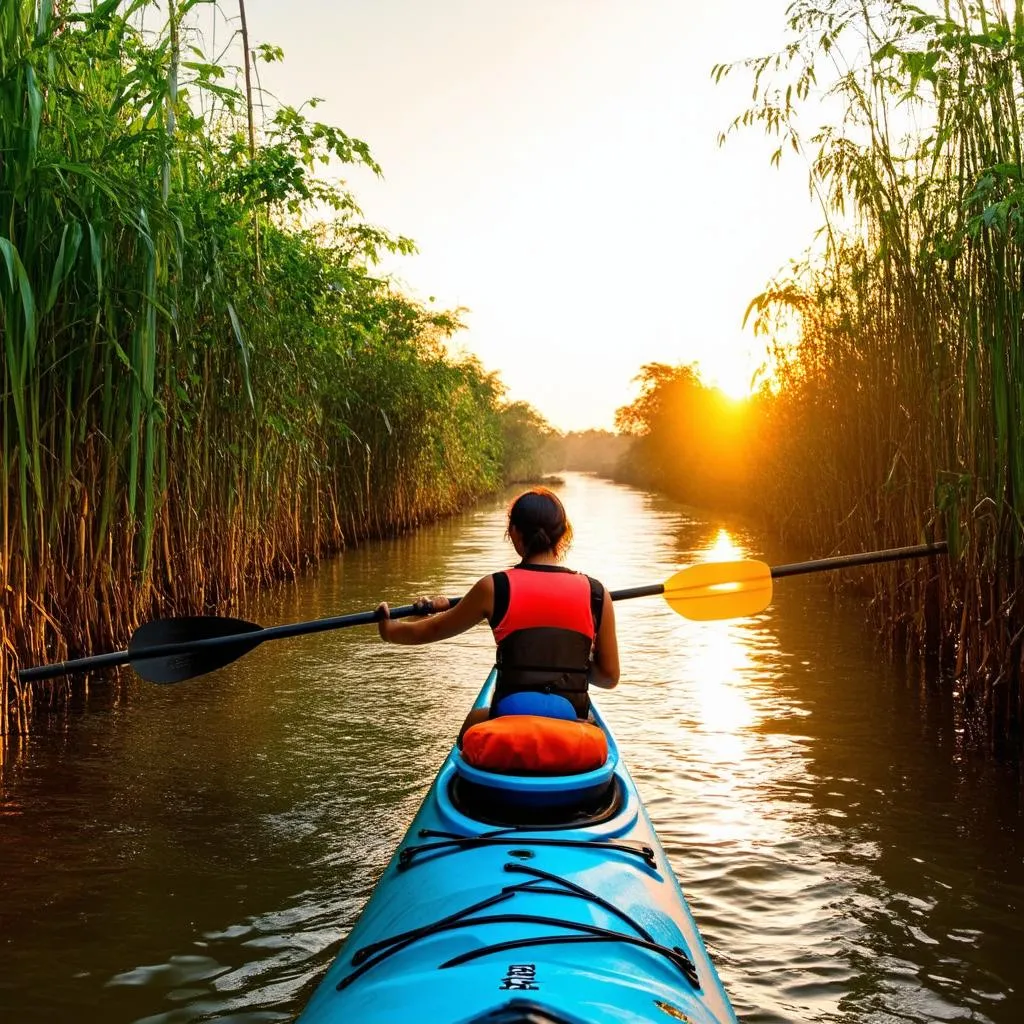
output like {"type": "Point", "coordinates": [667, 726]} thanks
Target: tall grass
{"type": "Point", "coordinates": [897, 415]}
{"type": "Point", "coordinates": [203, 385]}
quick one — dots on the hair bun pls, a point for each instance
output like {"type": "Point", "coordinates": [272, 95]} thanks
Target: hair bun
{"type": "Point", "coordinates": [539, 517]}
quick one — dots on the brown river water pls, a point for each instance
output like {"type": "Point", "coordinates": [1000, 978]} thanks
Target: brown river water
{"type": "Point", "coordinates": [197, 852]}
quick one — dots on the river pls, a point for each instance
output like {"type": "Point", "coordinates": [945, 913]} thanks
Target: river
{"type": "Point", "coordinates": [197, 852]}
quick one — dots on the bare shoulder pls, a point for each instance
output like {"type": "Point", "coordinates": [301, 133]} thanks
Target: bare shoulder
{"type": "Point", "coordinates": [481, 597]}
{"type": "Point", "coordinates": [607, 614]}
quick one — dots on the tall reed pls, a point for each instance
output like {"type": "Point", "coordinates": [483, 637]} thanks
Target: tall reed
{"type": "Point", "coordinates": [185, 415]}
{"type": "Point", "coordinates": [897, 416]}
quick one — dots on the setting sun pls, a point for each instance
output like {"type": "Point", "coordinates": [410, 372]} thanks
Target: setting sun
{"type": "Point", "coordinates": [564, 297]}
{"type": "Point", "coordinates": [731, 371]}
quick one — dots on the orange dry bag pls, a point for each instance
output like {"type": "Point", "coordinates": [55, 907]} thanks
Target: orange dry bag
{"type": "Point", "coordinates": [529, 743]}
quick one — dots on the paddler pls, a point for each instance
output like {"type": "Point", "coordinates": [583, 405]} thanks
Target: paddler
{"type": "Point", "coordinates": [554, 627]}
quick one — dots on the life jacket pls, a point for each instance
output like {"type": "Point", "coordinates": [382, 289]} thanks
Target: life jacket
{"type": "Point", "coordinates": [545, 623]}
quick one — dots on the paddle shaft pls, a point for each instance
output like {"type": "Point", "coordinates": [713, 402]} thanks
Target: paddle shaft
{"type": "Point", "coordinates": [116, 658]}
{"type": "Point", "coordinates": [818, 565]}
{"type": "Point", "coordinates": [864, 558]}
{"type": "Point", "coordinates": [256, 637]}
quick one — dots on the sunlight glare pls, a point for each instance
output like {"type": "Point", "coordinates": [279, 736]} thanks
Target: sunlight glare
{"type": "Point", "coordinates": [719, 660]}
{"type": "Point", "coordinates": [722, 549]}
{"type": "Point", "coordinates": [733, 376]}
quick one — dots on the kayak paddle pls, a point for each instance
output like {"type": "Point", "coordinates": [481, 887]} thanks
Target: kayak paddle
{"type": "Point", "coordinates": [731, 590]}
{"type": "Point", "coordinates": [173, 650]}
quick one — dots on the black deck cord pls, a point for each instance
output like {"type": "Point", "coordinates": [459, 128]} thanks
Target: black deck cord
{"type": "Point", "coordinates": [577, 890]}
{"type": "Point", "coordinates": [536, 876]}
{"type": "Point", "coordinates": [405, 857]}
{"type": "Point", "coordinates": [448, 924]}
{"type": "Point", "coordinates": [362, 954]}
{"type": "Point", "coordinates": [507, 892]}
{"type": "Point", "coordinates": [675, 954]}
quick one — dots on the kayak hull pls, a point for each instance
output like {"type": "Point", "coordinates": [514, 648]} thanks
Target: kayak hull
{"type": "Point", "coordinates": [558, 923]}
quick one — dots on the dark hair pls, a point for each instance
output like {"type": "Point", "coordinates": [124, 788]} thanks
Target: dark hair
{"type": "Point", "coordinates": [539, 517]}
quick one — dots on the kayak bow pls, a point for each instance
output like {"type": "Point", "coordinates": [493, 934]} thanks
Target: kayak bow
{"type": "Point", "coordinates": [525, 900]}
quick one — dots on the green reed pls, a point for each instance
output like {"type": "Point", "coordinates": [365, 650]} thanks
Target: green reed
{"type": "Point", "coordinates": [202, 387]}
{"type": "Point", "coordinates": [897, 415]}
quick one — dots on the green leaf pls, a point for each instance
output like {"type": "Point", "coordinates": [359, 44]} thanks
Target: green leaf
{"type": "Point", "coordinates": [16, 275]}
{"type": "Point", "coordinates": [243, 348]}
{"type": "Point", "coordinates": [66, 256]}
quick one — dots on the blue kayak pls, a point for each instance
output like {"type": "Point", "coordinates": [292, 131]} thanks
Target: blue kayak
{"type": "Point", "coordinates": [525, 900]}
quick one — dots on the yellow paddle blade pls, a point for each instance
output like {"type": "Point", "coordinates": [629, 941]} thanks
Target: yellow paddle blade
{"type": "Point", "coordinates": [720, 590]}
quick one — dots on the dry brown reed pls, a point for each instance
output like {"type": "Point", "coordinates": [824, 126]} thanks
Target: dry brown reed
{"type": "Point", "coordinates": [175, 427]}
{"type": "Point", "coordinates": [896, 417]}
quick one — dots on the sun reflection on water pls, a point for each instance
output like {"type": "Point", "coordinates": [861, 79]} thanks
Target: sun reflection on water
{"type": "Point", "coordinates": [718, 659]}
{"type": "Point", "coordinates": [722, 549]}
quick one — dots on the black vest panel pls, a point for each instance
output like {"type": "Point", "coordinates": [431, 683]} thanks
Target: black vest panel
{"type": "Point", "coordinates": [547, 660]}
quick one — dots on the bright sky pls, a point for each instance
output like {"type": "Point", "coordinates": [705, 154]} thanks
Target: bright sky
{"type": "Point", "coordinates": [556, 163]}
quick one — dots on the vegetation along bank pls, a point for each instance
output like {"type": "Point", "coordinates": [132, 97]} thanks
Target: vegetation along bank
{"type": "Point", "coordinates": [205, 387]}
{"type": "Point", "coordinates": [892, 412]}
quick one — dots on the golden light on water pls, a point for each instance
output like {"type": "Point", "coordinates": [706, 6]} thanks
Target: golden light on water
{"type": "Point", "coordinates": [717, 663]}
{"type": "Point", "coordinates": [714, 659]}
{"type": "Point", "coordinates": [718, 658]}
{"type": "Point", "coordinates": [722, 549]}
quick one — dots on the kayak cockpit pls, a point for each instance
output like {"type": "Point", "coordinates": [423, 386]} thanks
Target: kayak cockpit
{"type": "Point", "coordinates": [573, 805]}
{"type": "Point", "coordinates": [542, 797]}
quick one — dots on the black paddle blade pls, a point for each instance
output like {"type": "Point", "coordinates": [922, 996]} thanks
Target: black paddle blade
{"type": "Point", "coordinates": [177, 666]}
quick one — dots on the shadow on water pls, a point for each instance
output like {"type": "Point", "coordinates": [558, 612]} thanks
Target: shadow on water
{"type": "Point", "coordinates": [198, 852]}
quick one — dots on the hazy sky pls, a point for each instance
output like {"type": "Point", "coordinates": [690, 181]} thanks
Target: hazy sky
{"type": "Point", "coordinates": [556, 163]}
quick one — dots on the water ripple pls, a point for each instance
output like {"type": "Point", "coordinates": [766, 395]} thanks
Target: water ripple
{"type": "Point", "coordinates": [200, 853]}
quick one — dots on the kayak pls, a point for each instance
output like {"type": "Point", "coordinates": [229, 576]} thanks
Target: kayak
{"type": "Point", "coordinates": [525, 899]}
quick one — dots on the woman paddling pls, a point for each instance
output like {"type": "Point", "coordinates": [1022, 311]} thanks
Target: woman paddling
{"type": "Point", "coordinates": [555, 628]}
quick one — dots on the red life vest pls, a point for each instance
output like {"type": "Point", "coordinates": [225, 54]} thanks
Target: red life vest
{"type": "Point", "coordinates": [545, 624]}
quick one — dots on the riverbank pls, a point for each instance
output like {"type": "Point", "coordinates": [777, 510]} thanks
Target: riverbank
{"type": "Point", "coordinates": [205, 387]}
{"type": "Point", "coordinates": [891, 404]}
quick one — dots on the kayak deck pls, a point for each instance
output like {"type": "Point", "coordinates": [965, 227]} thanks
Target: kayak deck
{"type": "Point", "coordinates": [571, 922]}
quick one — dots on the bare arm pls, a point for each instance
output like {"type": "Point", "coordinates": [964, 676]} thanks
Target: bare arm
{"type": "Point", "coordinates": [605, 672]}
{"type": "Point", "coordinates": [476, 605]}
